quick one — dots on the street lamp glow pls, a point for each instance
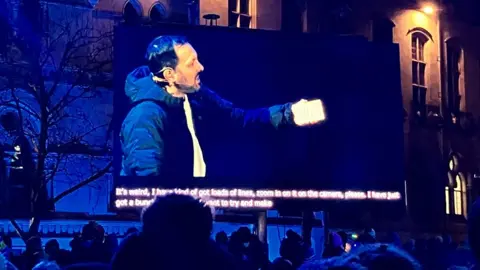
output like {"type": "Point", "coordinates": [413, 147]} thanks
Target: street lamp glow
{"type": "Point", "coordinates": [428, 9]}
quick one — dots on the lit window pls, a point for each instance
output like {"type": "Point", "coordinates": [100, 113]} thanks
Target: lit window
{"type": "Point", "coordinates": [453, 163]}
{"type": "Point", "coordinates": [418, 46]}
{"type": "Point", "coordinates": [457, 196]}
{"type": "Point", "coordinates": [240, 13]}
{"type": "Point", "coordinates": [447, 200]}
{"type": "Point", "coordinates": [460, 196]}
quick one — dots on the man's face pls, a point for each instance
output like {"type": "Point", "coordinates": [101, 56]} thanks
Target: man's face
{"type": "Point", "coordinates": [188, 69]}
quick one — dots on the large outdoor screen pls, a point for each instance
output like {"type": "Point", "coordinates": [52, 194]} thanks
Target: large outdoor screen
{"type": "Point", "coordinates": [250, 118]}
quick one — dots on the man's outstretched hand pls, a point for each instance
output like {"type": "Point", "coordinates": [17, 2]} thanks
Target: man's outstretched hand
{"type": "Point", "coordinates": [306, 113]}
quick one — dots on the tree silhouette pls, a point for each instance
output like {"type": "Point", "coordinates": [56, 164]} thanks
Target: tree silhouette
{"type": "Point", "coordinates": [54, 78]}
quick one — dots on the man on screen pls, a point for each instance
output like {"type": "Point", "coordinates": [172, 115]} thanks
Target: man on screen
{"type": "Point", "coordinates": [160, 136]}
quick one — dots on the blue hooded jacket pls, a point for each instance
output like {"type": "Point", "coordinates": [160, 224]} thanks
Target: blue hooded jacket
{"type": "Point", "coordinates": [154, 136]}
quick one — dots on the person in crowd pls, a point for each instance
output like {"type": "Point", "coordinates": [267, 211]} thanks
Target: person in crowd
{"type": "Point", "coordinates": [175, 234]}
{"type": "Point", "coordinates": [437, 257]}
{"type": "Point", "coordinates": [334, 247]}
{"type": "Point", "coordinates": [110, 245]}
{"type": "Point", "coordinates": [221, 239]}
{"type": "Point", "coordinates": [131, 231]}
{"type": "Point", "coordinates": [256, 254]}
{"type": "Point", "coordinates": [5, 264]}
{"type": "Point", "coordinates": [292, 252]}
{"type": "Point", "coordinates": [6, 246]}
{"type": "Point", "coordinates": [90, 245]}
{"type": "Point", "coordinates": [32, 255]}
{"type": "Point", "coordinates": [420, 251]}
{"type": "Point", "coordinates": [239, 242]}
{"type": "Point", "coordinates": [345, 237]}
{"type": "Point", "coordinates": [447, 242]}
{"type": "Point", "coordinates": [367, 237]}
{"type": "Point", "coordinates": [371, 257]}
{"type": "Point", "coordinates": [409, 246]}
{"type": "Point", "coordinates": [46, 265]}
{"type": "Point", "coordinates": [462, 256]}
{"type": "Point", "coordinates": [393, 238]}
{"type": "Point", "coordinates": [54, 253]}
{"type": "Point", "coordinates": [88, 266]}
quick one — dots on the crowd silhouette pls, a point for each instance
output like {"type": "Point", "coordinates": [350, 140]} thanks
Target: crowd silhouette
{"type": "Point", "coordinates": [176, 234]}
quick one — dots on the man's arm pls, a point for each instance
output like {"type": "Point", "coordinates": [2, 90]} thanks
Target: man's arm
{"type": "Point", "coordinates": [275, 116]}
{"type": "Point", "coordinates": [143, 141]}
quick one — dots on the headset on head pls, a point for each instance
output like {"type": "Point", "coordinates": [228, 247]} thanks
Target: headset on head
{"type": "Point", "coordinates": [156, 78]}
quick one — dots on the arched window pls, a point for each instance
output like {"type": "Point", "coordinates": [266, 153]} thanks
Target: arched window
{"type": "Point", "coordinates": [132, 12]}
{"type": "Point", "coordinates": [458, 194]}
{"type": "Point", "coordinates": [453, 163]}
{"type": "Point", "coordinates": [158, 12]}
{"type": "Point", "coordinates": [419, 66]}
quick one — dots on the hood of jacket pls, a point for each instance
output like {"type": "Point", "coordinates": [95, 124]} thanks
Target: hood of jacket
{"type": "Point", "coordinates": [139, 86]}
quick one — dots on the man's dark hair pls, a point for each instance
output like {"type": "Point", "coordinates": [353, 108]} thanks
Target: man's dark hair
{"type": "Point", "coordinates": [221, 237]}
{"type": "Point", "coordinates": [291, 248]}
{"type": "Point", "coordinates": [179, 217]}
{"type": "Point", "coordinates": [93, 231]}
{"type": "Point", "coordinates": [161, 53]}
{"type": "Point", "coordinates": [53, 243]}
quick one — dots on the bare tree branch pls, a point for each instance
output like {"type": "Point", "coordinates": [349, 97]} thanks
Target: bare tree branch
{"type": "Point", "coordinates": [33, 226]}
{"type": "Point", "coordinates": [65, 146]}
{"type": "Point", "coordinates": [18, 230]}
{"type": "Point", "coordinates": [19, 109]}
{"type": "Point", "coordinates": [55, 168]}
{"type": "Point", "coordinates": [82, 75]}
{"type": "Point", "coordinates": [53, 43]}
{"type": "Point", "coordinates": [83, 183]}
